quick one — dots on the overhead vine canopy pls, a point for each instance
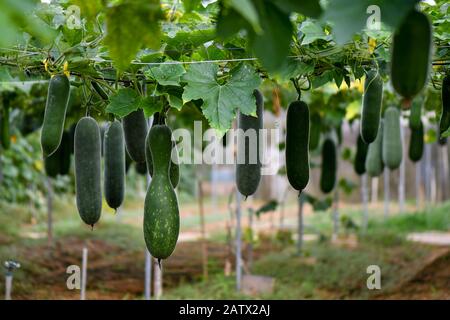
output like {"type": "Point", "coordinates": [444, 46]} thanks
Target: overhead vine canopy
{"type": "Point", "coordinates": [206, 55]}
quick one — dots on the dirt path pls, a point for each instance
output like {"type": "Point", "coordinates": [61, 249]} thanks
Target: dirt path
{"type": "Point", "coordinates": [432, 238]}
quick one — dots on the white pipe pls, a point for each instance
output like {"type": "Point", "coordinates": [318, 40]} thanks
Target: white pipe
{"type": "Point", "coordinates": [386, 192]}
{"type": "Point", "coordinates": [428, 173]}
{"type": "Point", "coordinates": [84, 273]}
{"type": "Point", "coordinates": [8, 286]}
{"type": "Point", "coordinates": [374, 196]}
{"type": "Point", "coordinates": [148, 275]}
{"type": "Point", "coordinates": [238, 241]}
{"type": "Point", "coordinates": [418, 178]}
{"type": "Point", "coordinates": [364, 195]}
{"type": "Point", "coordinates": [401, 183]}
{"type": "Point", "coordinates": [300, 225]}
{"type": "Point", "coordinates": [158, 279]}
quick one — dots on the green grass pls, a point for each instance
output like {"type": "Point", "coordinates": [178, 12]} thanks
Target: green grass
{"type": "Point", "coordinates": [437, 218]}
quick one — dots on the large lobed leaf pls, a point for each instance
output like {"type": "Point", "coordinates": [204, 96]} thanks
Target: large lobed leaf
{"type": "Point", "coordinates": [220, 101]}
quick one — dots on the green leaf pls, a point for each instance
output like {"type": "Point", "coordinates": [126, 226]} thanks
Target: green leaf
{"type": "Point", "coordinates": [247, 11]}
{"type": "Point", "coordinates": [124, 102]}
{"type": "Point", "coordinates": [312, 32]}
{"type": "Point", "coordinates": [17, 17]}
{"type": "Point", "coordinates": [151, 105]}
{"type": "Point", "coordinates": [184, 39]}
{"type": "Point", "coordinates": [166, 74]}
{"type": "Point", "coordinates": [88, 9]}
{"type": "Point", "coordinates": [129, 26]}
{"type": "Point", "coordinates": [322, 79]}
{"type": "Point", "coordinates": [4, 74]}
{"type": "Point", "coordinates": [267, 207]}
{"type": "Point", "coordinates": [349, 17]}
{"type": "Point", "coordinates": [172, 94]}
{"type": "Point", "coordinates": [310, 8]}
{"type": "Point", "coordinates": [346, 185]}
{"type": "Point", "coordinates": [191, 5]}
{"type": "Point", "coordinates": [221, 100]}
{"type": "Point", "coordinates": [294, 68]}
{"type": "Point", "coordinates": [446, 133]}
{"type": "Point", "coordinates": [230, 22]}
{"type": "Point", "coordinates": [273, 44]}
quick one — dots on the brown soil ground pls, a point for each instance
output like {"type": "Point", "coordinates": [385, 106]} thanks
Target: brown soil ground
{"type": "Point", "coordinates": [431, 282]}
{"type": "Point", "coordinates": [112, 269]}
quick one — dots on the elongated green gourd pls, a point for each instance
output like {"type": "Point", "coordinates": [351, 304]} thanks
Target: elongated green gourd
{"type": "Point", "coordinates": [339, 133]}
{"type": "Point", "coordinates": [329, 166]}
{"type": "Point", "coordinates": [411, 54]}
{"type": "Point", "coordinates": [444, 122]}
{"type": "Point", "coordinates": [5, 135]}
{"type": "Point", "coordinates": [52, 165]}
{"type": "Point", "coordinates": [392, 142]}
{"type": "Point", "coordinates": [161, 214]}
{"type": "Point", "coordinates": [114, 166]}
{"type": "Point", "coordinates": [148, 154]}
{"type": "Point", "coordinates": [88, 170]}
{"type": "Point", "coordinates": [128, 161]}
{"type": "Point", "coordinates": [415, 121]}
{"type": "Point", "coordinates": [72, 137]}
{"type": "Point", "coordinates": [135, 129]}
{"type": "Point", "coordinates": [103, 128]}
{"type": "Point", "coordinates": [99, 90]}
{"type": "Point", "coordinates": [361, 155]}
{"type": "Point", "coordinates": [248, 167]}
{"type": "Point", "coordinates": [64, 154]}
{"type": "Point", "coordinates": [55, 113]}
{"type": "Point", "coordinates": [371, 106]}
{"type": "Point", "coordinates": [314, 131]}
{"type": "Point", "coordinates": [141, 168]}
{"type": "Point", "coordinates": [174, 166]}
{"type": "Point", "coordinates": [374, 159]}
{"type": "Point", "coordinates": [416, 143]}
{"type": "Point", "coordinates": [59, 161]}
{"type": "Point", "coordinates": [297, 145]}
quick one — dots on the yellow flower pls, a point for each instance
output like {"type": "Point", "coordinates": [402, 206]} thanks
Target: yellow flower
{"type": "Point", "coordinates": [38, 165]}
{"type": "Point", "coordinates": [45, 62]}
{"type": "Point", "coordinates": [372, 44]}
{"type": "Point", "coordinates": [66, 69]}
